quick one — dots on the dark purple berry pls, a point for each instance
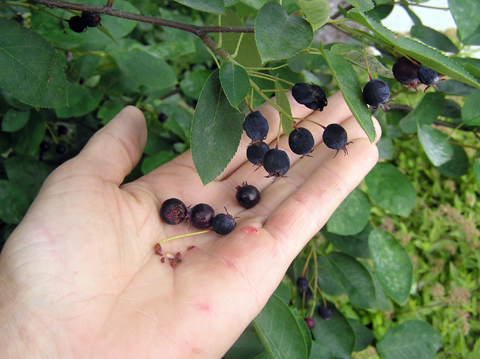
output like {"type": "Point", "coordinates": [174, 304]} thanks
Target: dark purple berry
{"type": "Point", "coordinates": [91, 19]}
{"type": "Point", "coordinates": [429, 77]}
{"type": "Point", "coordinates": [276, 163]}
{"type": "Point", "coordinates": [301, 141]}
{"type": "Point", "coordinates": [256, 126]}
{"type": "Point", "coordinates": [256, 152]}
{"type": "Point", "coordinates": [377, 93]}
{"type": "Point", "coordinates": [325, 312]}
{"type": "Point", "coordinates": [247, 195]}
{"type": "Point", "coordinates": [76, 24]}
{"type": "Point", "coordinates": [223, 223]}
{"type": "Point", "coordinates": [302, 284]}
{"type": "Point", "coordinates": [406, 72]}
{"type": "Point", "coordinates": [162, 117]}
{"type": "Point", "coordinates": [61, 149]}
{"type": "Point", "coordinates": [173, 211]}
{"type": "Point", "coordinates": [307, 295]}
{"type": "Point", "coordinates": [310, 323]}
{"type": "Point", "coordinates": [62, 130]}
{"type": "Point", "coordinates": [44, 146]}
{"type": "Point", "coordinates": [201, 216]}
{"type": "Point", "coordinates": [335, 137]}
{"type": "Point", "coordinates": [312, 96]}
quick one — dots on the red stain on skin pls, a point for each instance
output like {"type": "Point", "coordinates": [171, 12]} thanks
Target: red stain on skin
{"type": "Point", "coordinates": [250, 230]}
{"type": "Point", "coordinates": [203, 307]}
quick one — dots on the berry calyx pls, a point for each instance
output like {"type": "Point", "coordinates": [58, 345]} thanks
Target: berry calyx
{"type": "Point", "coordinates": [247, 195]}
{"type": "Point", "coordinates": [44, 146]}
{"type": "Point", "coordinates": [256, 126]}
{"type": "Point", "coordinates": [310, 323]}
{"type": "Point", "coordinates": [76, 24]}
{"type": "Point", "coordinates": [301, 141]}
{"type": "Point", "coordinates": [429, 77]}
{"type": "Point", "coordinates": [256, 152]}
{"type": "Point", "coordinates": [376, 93]}
{"type": "Point", "coordinates": [173, 211]}
{"type": "Point", "coordinates": [201, 216]}
{"type": "Point", "coordinates": [61, 149]}
{"type": "Point", "coordinates": [276, 163]}
{"type": "Point", "coordinates": [335, 137]}
{"type": "Point", "coordinates": [406, 72]}
{"type": "Point", "coordinates": [311, 96]}
{"type": "Point", "coordinates": [325, 312]}
{"type": "Point", "coordinates": [223, 223]}
{"type": "Point", "coordinates": [91, 19]}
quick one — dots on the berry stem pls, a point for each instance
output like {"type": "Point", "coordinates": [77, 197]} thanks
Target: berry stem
{"type": "Point", "coordinates": [185, 235]}
{"type": "Point", "coordinates": [366, 58]}
{"type": "Point", "coordinates": [248, 104]}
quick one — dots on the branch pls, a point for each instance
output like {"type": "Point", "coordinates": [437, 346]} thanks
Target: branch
{"type": "Point", "coordinates": [106, 10]}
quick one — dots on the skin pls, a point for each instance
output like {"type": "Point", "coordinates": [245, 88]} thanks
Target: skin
{"type": "Point", "coordinates": [79, 277]}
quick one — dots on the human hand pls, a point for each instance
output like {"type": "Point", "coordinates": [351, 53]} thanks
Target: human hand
{"type": "Point", "coordinates": [79, 277]}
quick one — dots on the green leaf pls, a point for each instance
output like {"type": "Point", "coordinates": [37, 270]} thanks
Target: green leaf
{"type": "Point", "coordinates": [426, 55]}
{"type": "Point", "coordinates": [247, 345]}
{"type": "Point", "coordinates": [414, 339]}
{"type": "Point", "coordinates": [433, 38]}
{"type": "Point", "coordinates": [307, 335]}
{"type": "Point", "coordinates": [32, 71]}
{"type": "Point", "coordinates": [235, 83]}
{"type": "Point", "coordinates": [212, 6]}
{"type": "Point", "coordinates": [471, 110]}
{"type": "Point", "coordinates": [5, 142]}
{"type": "Point", "coordinates": [363, 335]}
{"type": "Point", "coordinates": [248, 54]}
{"type": "Point", "coordinates": [355, 278]}
{"type": "Point", "coordinates": [26, 141]}
{"type": "Point", "coordinates": [465, 13]}
{"type": "Point", "coordinates": [425, 113]}
{"type": "Point", "coordinates": [193, 83]}
{"type": "Point", "coordinates": [358, 58]}
{"type": "Point", "coordinates": [279, 35]}
{"type": "Point", "coordinates": [27, 173]}
{"type": "Point", "coordinates": [476, 168]}
{"type": "Point", "coordinates": [392, 265]}
{"type": "Point", "coordinates": [216, 131]}
{"type": "Point", "coordinates": [352, 214]}
{"type": "Point", "coordinates": [381, 300]}
{"type": "Point", "coordinates": [279, 331]}
{"type": "Point", "coordinates": [282, 101]}
{"type": "Point", "coordinates": [363, 5]}
{"type": "Point", "coordinates": [353, 245]}
{"type": "Point", "coordinates": [155, 161]}
{"type": "Point", "coordinates": [320, 351]}
{"type": "Point", "coordinates": [81, 101]}
{"type": "Point", "coordinates": [298, 62]}
{"type": "Point", "coordinates": [391, 189]}
{"type": "Point", "coordinates": [457, 166]}
{"type": "Point", "coordinates": [336, 334]}
{"type": "Point", "coordinates": [435, 144]}
{"type": "Point", "coordinates": [317, 12]}
{"type": "Point", "coordinates": [327, 278]}
{"type": "Point", "coordinates": [347, 80]}
{"type": "Point", "coordinates": [14, 202]}
{"type": "Point", "coordinates": [14, 120]}
{"type": "Point", "coordinates": [145, 69]}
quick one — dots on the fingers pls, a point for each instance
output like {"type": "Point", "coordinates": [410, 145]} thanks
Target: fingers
{"type": "Point", "coordinates": [114, 150]}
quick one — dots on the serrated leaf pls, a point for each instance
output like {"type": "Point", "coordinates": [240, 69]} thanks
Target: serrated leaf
{"type": "Point", "coordinates": [279, 35]}
{"type": "Point", "coordinates": [414, 339]}
{"type": "Point", "coordinates": [307, 335]}
{"type": "Point", "coordinates": [425, 113]}
{"type": "Point", "coordinates": [391, 189]}
{"type": "Point", "coordinates": [358, 58]}
{"type": "Point", "coordinates": [212, 6]}
{"type": "Point", "coordinates": [347, 80]}
{"type": "Point", "coordinates": [465, 13]}
{"type": "Point", "coordinates": [435, 144]}
{"type": "Point", "coordinates": [355, 278]}
{"type": "Point", "coordinates": [317, 12]}
{"type": "Point", "coordinates": [279, 331]}
{"type": "Point", "coordinates": [193, 83]}
{"type": "Point", "coordinates": [216, 130]}
{"type": "Point", "coordinates": [282, 101]}
{"type": "Point", "coordinates": [392, 265]}
{"type": "Point", "coordinates": [14, 120]}
{"type": "Point", "coordinates": [81, 101]}
{"type": "Point", "coordinates": [32, 71]}
{"type": "Point", "coordinates": [363, 5]}
{"type": "Point", "coordinates": [235, 83]}
{"type": "Point", "coordinates": [336, 334]}
{"type": "Point", "coordinates": [471, 110]}
{"type": "Point", "coordinates": [433, 38]}
{"type": "Point", "coordinates": [352, 214]}
{"type": "Point", "coordinates": [428, 56]}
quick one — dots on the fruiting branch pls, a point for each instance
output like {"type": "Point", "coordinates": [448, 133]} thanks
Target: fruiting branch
{"type": "Point", "coordinates": [106, 10]}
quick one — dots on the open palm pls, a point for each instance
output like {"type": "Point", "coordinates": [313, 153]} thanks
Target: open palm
{"type": "Point", "coordinates": [79, 277]}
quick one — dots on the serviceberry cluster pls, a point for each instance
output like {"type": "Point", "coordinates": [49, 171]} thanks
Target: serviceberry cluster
{"type": "Point", "coordinates": [88, 19]}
